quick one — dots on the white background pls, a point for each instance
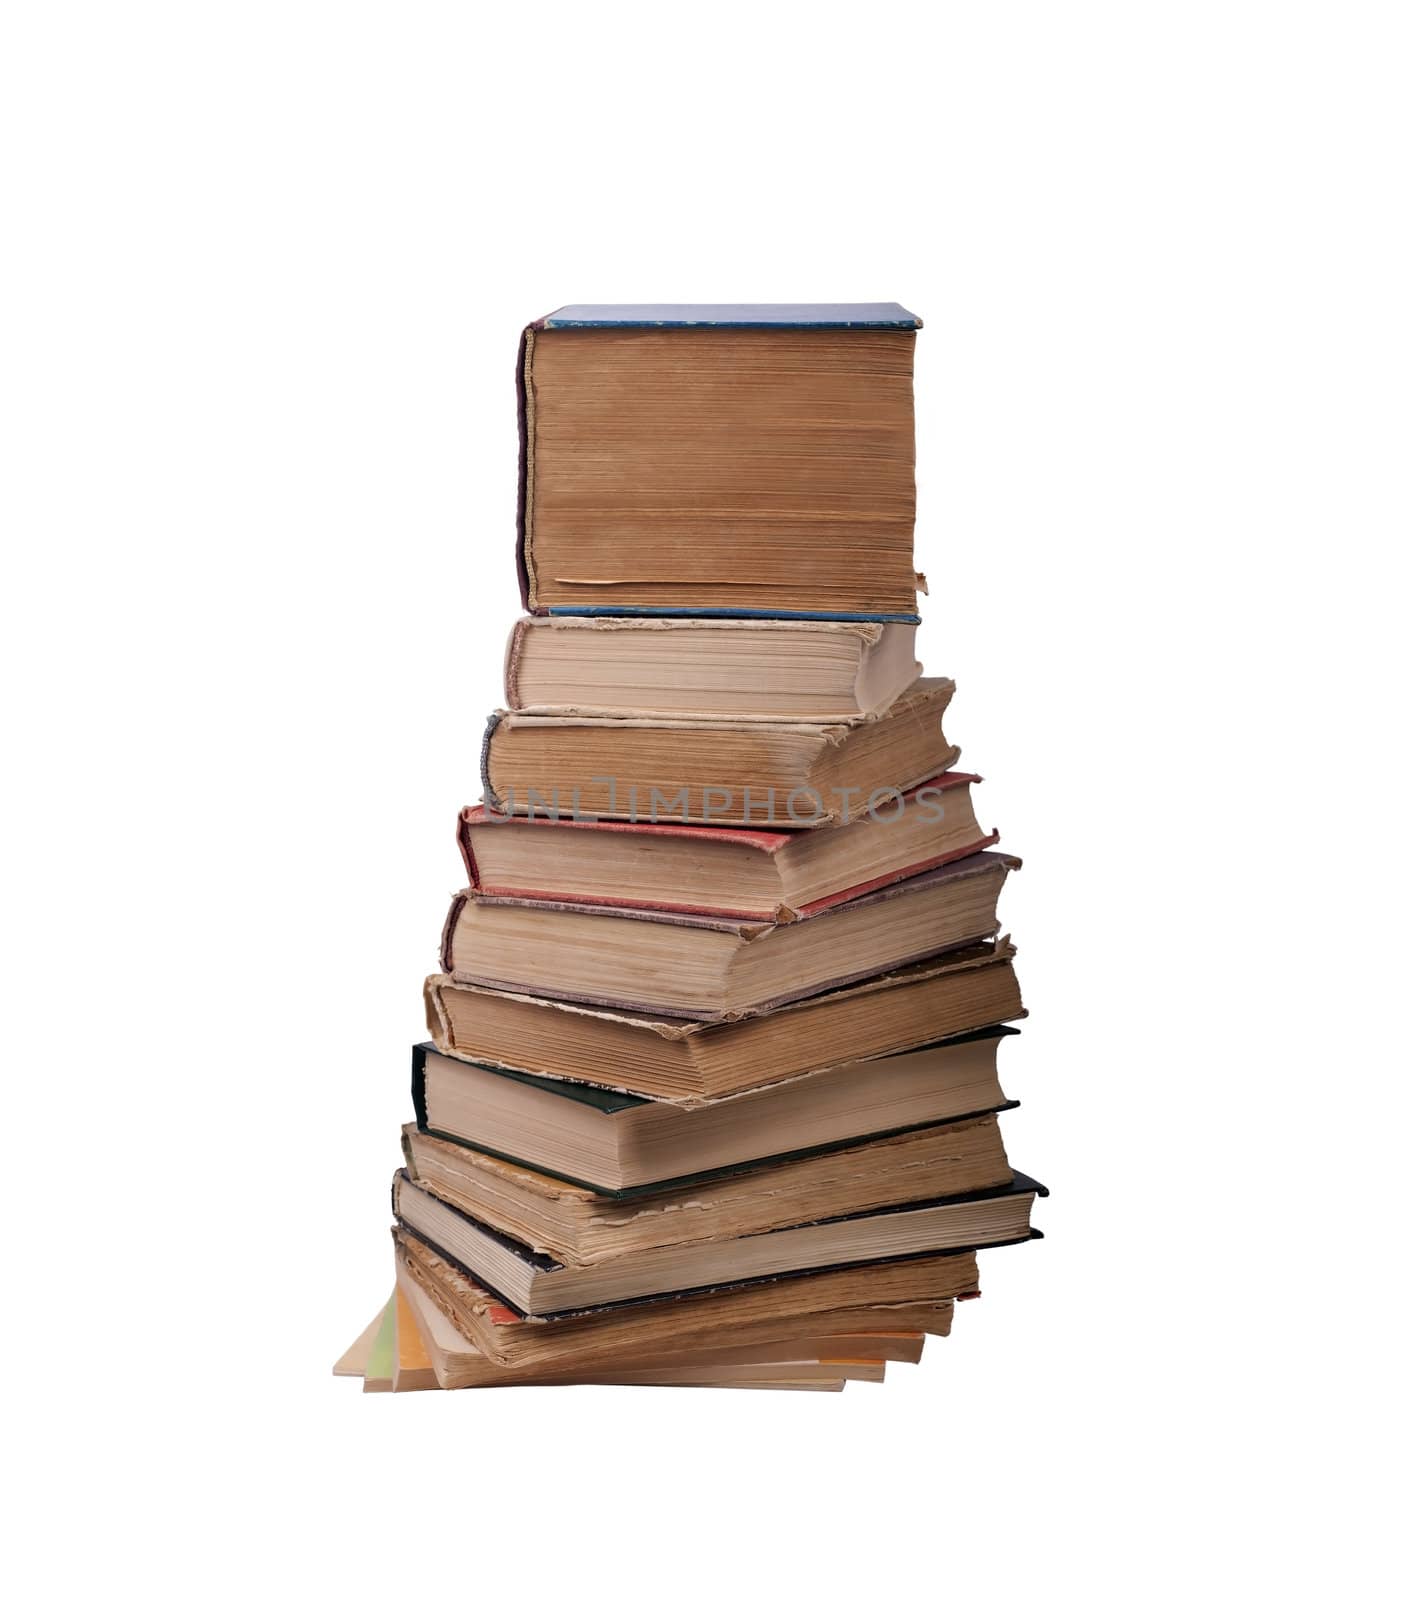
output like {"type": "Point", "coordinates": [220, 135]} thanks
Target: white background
{"type": "Point", "coordinates": [265, 272]}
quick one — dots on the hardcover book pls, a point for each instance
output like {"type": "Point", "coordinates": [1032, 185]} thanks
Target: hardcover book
{"type": "Point", "coordinates": [726, 773]}
{"type": "Point", "coordinates": [581, 1225]}
{"type": "Point", "coordinates": [671, 1059]}
{"type": "Point", "coordinates": [718, 460]}
{"type": "Point", "coordinates": [812, 1362]}
{"type": "Point", "coordinates": [746, 873]}
{"type": "Point", "coordinates": [538, 1285]}
{"type": "Point", "coordinates": [916, 1292]}
{"type": "Point", "coordinates": [624, 1144]}
{"type": "Point", "coordinates": [715, 968]}
{"type": "Point", "coordinates": [840, 672]}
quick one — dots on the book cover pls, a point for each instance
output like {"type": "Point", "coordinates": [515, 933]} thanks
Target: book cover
{"type": "Point", "coordinates": [830, 315]}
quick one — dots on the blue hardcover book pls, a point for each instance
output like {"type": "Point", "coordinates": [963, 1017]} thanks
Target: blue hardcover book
{"type": "Point", "coordinates": [719, 461]}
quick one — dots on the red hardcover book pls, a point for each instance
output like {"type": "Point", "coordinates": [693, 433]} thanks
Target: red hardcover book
{"type": "Point", "coordinates": [747, 873]}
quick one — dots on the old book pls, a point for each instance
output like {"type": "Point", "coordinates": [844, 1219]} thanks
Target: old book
{"type": "Point", "coordinates": [915, 1293]}
{"type": "Point", "coordinates": [718, 459]}
{"type": "Point", "coordinates": [581, 1225]}
{"type": "Point", "coordinates": [626, 1145]}
{"type": "Point", "coordinates": [737, 872]}
{"type": "Point", "coordinates": [419, 1361]}
{"type": "Point", "coordinates": [727, 773]}
{"type": "Point", "coordinates": [413, 1367]}
{"type": "Point", "coordinates": [379, 1365]}
{"type": "Point", "coordinates": [668, 1059]}
{"type": "Point", "coordinates": [429, 1353]}
{"type": "Point", "coordinates": [355, 1360]}
{"type": "Point", "coordinates": [840, 672]}
{"type": "Point", "coordinates": [457, 1363]}
{"type": "Point", "coordinates": [718, 968]}
{"type": "Point", "coordinates": [900, 1346]}
{"type": "Point", "coordinates": [541, 1286]}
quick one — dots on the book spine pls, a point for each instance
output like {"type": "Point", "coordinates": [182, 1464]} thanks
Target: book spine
{"type": "Point", "coordinates": [732, 613]}
{"type": "Point", "coordinates": [525, 576]}
{"type": "Point", "coordinates": [436, 1017]}
{"type": "Point", "coordinates": [450, 922]}
{"type": "Point", "coordinates": [464, 836]}
{"type": "Point", "coordinates": [484, 761]}
{"type": "Point", "coordinates": [416, 1091]}
{"type": "Point", "coordinates": [511, 658]}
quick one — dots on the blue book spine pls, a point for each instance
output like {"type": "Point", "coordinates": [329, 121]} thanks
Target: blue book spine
{"type": "Point", "coordinates": [740, 613]}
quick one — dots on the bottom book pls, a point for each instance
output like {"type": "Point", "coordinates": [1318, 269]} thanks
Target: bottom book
{"type": "Point", "coordinates": [886, 1298]}
{"type": "Point", "coordinates": [442, 1328]}
{"type": "Point", "coordinates": [409, 1344]}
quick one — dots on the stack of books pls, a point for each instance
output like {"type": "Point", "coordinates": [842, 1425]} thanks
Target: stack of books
{"type": "Point", "coordinates": [711, 1093]}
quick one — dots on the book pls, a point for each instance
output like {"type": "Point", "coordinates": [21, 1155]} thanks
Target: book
{"type": "Point", "coordinates": [624, 1145]}
{"type": "Point", "coordinates": [542, 1286]}
{"type": "Point", "coordinates": [729, 773]}
{"type": "Point", "coordinates": [429, 1353]}
{"type": "Point", "coordinates": [916, 1293]}
{"type": "Point", "coordinates": [379, 1364]}
{"type": "Point", "coordinates": [734, 872]}
{"type": "Point", "coordinates": [815, 1365]}
{"type": "Point", "coordinates": [582, 1225]}
{"type": "Point", "coordinates": [672, 1059]}
{"type": "Point", "coordinates": [840, 672]}
{"type": "Point", "coordinates": [711, 1095]}
{"type": "Point", "coordinates": [902, 1346]}
{"type": "Point", "coordinates": [458, 1363]}
{"type": "Point", "coordinates": [413, 1368]}
{"type": "Point", "coordinates": [718, 459]}
{"type": "Point", "coordinates": [718, 968]}
{"type": "Point", "coordinates": [356, 1359]}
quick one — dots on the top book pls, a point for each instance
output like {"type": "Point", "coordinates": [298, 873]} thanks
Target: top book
{"type": "Point", "coordinates": [718, 460]}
